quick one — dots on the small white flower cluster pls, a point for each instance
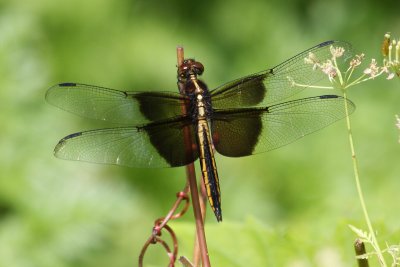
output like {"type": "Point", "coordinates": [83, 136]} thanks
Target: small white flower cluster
{"type": "Point", "coordinates": [335, 76]}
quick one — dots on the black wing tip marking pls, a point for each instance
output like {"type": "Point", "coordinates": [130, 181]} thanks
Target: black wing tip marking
{"type": "Point", "coordinates": [67, 84]}
{"type": "Point", "coordinates": [70, 136]}
{"type": "Point", "coordinates": [351, 105]}
{"type": "Point", "coordinates": [54, 87]}
{"type": "Point", "coordinates": [62, 142]}
{"type": "Point", "coordinates": [329, 96]}
{"type": "Point", "coordinates": [344, 44]}
{"type": "Point", "coordinates": [326, 43]}
{"type": "Point", "coordinates": [330, 42]}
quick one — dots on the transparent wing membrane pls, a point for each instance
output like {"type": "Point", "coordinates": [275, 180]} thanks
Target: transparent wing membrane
{"type": "Point", "coordinates": [127, 108]}
{"type": "Point", "coordinates": [254, 130]}
{"type": "Point", "coordinates": [270, 86]}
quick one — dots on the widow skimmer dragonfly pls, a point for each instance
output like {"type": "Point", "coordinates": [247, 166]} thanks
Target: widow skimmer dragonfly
{"type": "Point", "coordinates": [239, 118]}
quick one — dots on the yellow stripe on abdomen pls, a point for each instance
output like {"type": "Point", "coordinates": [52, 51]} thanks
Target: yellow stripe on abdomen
{"type": "Point", "coordinates": [209, 168]}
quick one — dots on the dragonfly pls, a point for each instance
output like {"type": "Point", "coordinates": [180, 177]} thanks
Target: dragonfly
{"type": "Point", "coordinates": [166, 129]}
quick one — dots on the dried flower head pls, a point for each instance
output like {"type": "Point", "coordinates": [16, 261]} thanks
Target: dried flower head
{"type": "Point", "coordinates": [391, 53]}
{"type": "Point", "coordinates": [385, 45]}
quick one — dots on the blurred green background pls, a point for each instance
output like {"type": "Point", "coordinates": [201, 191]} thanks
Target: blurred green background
{"type": "Point", "coordinates": [288, 207]}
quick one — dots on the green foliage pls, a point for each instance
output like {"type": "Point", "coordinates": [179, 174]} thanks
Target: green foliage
{"type": "Point", "coordinates": [58, 213]}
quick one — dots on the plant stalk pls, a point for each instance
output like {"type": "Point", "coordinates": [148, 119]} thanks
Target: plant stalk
{"type": "Point", "coordinates": [191, 176]}
{"type": "Point", "coordinates": [358, 185]}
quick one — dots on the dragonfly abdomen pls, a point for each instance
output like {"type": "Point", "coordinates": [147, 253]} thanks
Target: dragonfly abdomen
{"type": "Point", "coordinates": [209, 168]}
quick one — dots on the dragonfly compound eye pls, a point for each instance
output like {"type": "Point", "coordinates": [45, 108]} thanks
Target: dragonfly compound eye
{"type": "Point", "coordinates": [198, 68]}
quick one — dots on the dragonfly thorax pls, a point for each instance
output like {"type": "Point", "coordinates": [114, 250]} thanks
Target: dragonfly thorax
{"type": "Point", "coordinates": [199, 98]}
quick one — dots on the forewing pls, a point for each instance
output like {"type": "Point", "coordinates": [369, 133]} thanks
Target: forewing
{"type": "Point", "coordinates": [270, 86]}
{"type": "Point", "coordinates": [115, 106]}
{"type": "Point", "coordinates": [255, 130]}
{"type": "Point", "coordinates": [154, 145]}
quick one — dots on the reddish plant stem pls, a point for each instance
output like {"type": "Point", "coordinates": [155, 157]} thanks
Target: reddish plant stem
{"type": "Point", "coordinates": [201, 237]}
{"type": "Point", "coordinates": [203, 199]}
{"type": "Point", "coordinates": [191, 176]}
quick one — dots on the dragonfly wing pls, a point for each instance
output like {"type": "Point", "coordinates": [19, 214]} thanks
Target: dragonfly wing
{"type": "Point", "coordinates": [244, 132]}
{"type": "Point", "coordinates": [115, 106]}
{"type": "Point", "coordinates": [270, 86]}
{"type": "Point", "coordinates": [160, 144]}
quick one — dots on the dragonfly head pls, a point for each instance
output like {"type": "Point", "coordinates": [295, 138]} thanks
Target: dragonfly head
{"type": "Point", "coordinates": [190, 67]}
